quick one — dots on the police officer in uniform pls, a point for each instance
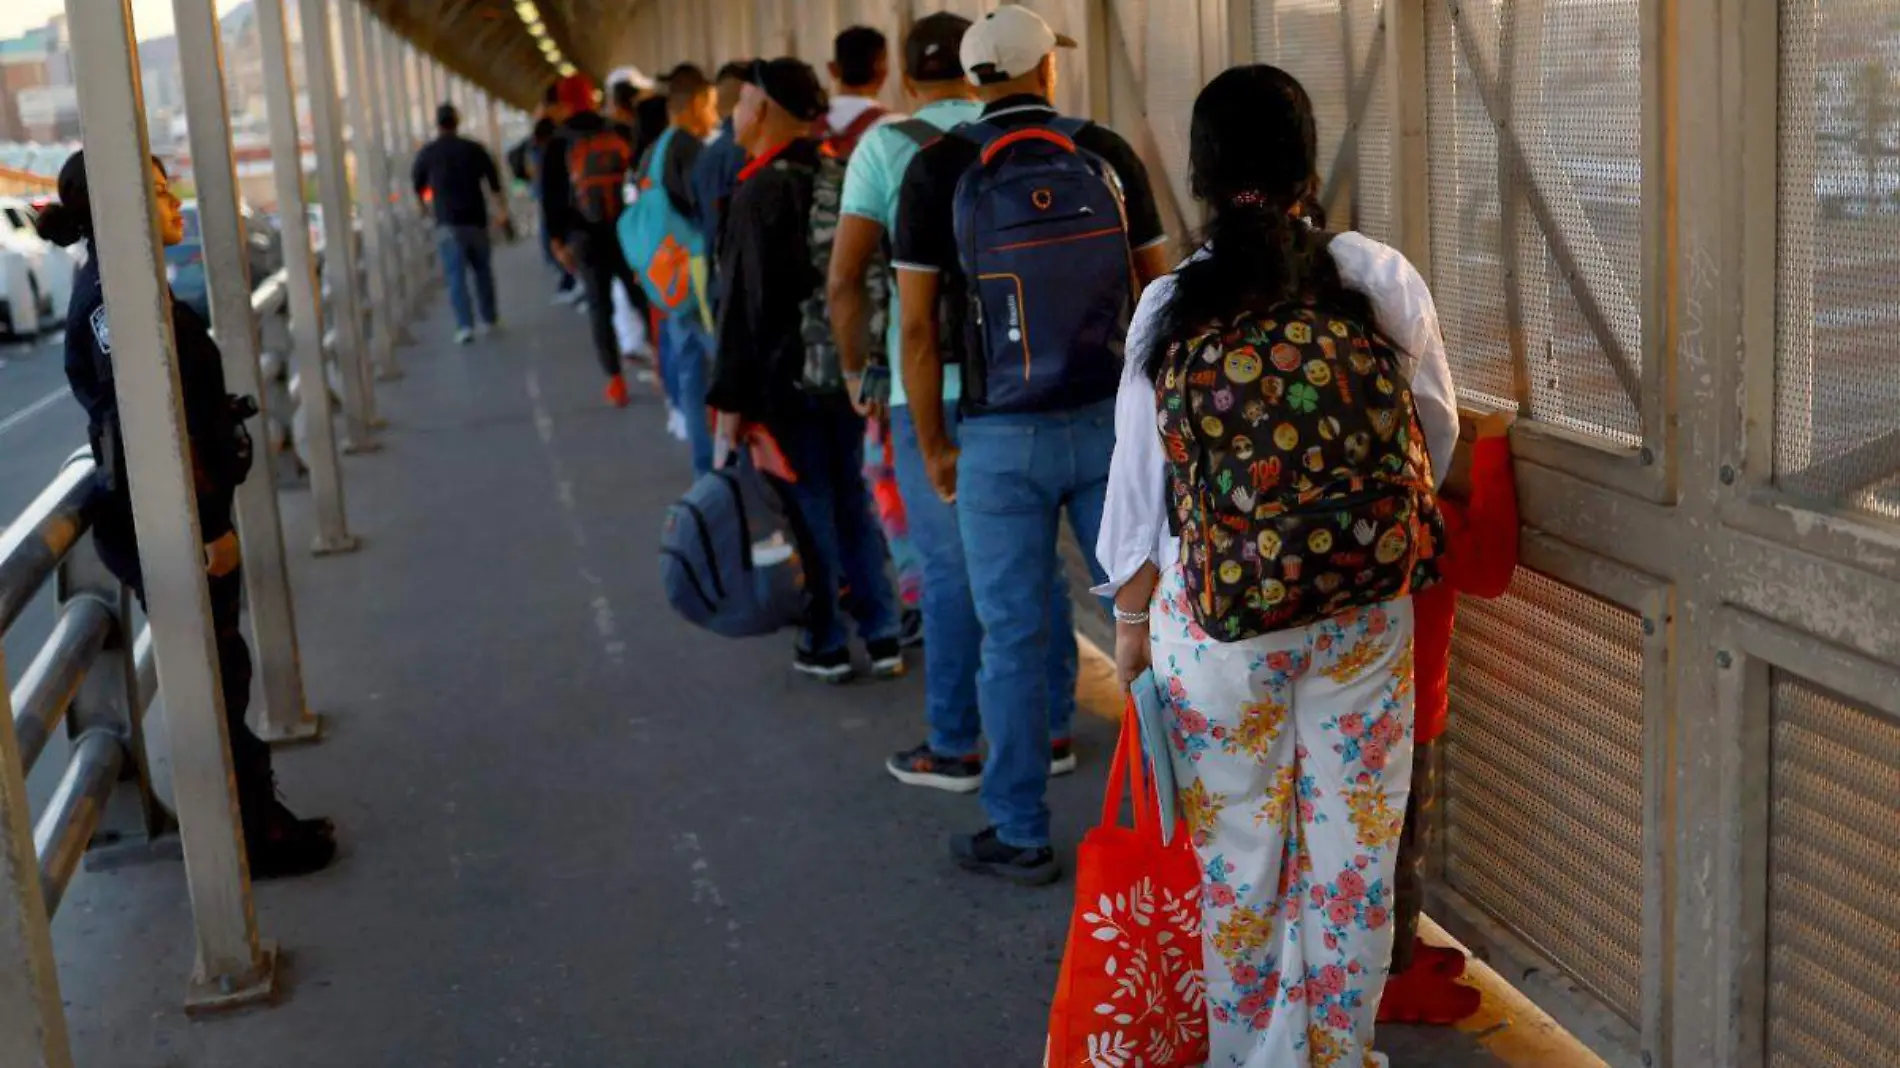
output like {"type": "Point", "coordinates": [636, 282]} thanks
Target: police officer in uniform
{"type": "Point", "coordinates": [278, 843]}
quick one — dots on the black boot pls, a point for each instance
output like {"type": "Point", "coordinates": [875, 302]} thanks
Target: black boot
{"type": "Point", "coordinates": [280, 844]}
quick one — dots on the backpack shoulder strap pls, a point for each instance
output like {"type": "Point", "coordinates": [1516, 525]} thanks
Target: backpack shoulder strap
{"type": "Point", "coordinates": [866, 119]}
{"type": "Point", "coordinates": [920, 131]}
{"type": "Point", "coordinates": [978, 132]}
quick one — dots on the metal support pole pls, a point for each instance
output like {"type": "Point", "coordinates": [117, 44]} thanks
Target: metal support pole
{"type": "Point", "coordinates": [234, 966]}
{"type": "Point", "coordinates": [376, 52]}
{"type": "Point", "coordinates": [306, 309]}
{"type": "Point", "coordinates": [396, 194]}
{"type": "Point", "coordinates": [339, 230]}
{"type": "Point", "coordinates": [281, 712]}
{"type": "Point", "coordinates": [408, 90]}
{"type": "Point", "coordinates": [32, 1016]}
{"type": "Point", "coordinates": [372, 177]}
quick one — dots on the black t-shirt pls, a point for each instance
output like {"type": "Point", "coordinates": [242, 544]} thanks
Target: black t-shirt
{"type": "Point", "coordinates": [925, 239]}
{"type": "Point", "coordinates": [676, 171]}
{"type": "Point", "coordinates": [455, 169]}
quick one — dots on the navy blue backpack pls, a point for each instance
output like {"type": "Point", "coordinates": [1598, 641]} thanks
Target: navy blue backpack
{"type": "Point", "coordinates": [1042, 237]}
{"type": "Point", "coordinates": [729, 555]}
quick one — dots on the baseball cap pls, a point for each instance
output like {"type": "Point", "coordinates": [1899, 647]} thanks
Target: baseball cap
{"type": "Point", "coordinates": [932, 52]}
{"type": "Point", "coordinates": [1008, 43]}
{"type": "Point", "coordinates": [792, 85]}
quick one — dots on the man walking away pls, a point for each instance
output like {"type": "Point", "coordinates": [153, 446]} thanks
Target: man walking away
{"type": "Point", "coordinates": [583, 191]}
{"type": "Point", "coordinates": [453, 171]}
{"type": "Point", "coordinates": [1040, 369]}
{"type": "Point", "coordinates": [774, 294]}
{"type": "Point", "coordinates": [716, 174]}
{"type": "Point", "coordinates": [860, 66]}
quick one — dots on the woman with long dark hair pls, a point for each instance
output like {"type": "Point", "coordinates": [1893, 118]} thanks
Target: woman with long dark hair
{"type": "Point", "coordinates": [1285, 414]}
{"type": "Point", "coordinates": [277, 842]}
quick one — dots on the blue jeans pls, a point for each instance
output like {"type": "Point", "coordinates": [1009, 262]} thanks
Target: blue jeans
{"type": "Point", "coordinates": [1017, 475]}
{"type": "Point", "coordinates": [823, 440]}
{"type": "Point", "coordinates": [686, 356]}
{"type": "Point", "coordinates": [953, 639]}
{"type": "Point", "coordinates": [465, 248]}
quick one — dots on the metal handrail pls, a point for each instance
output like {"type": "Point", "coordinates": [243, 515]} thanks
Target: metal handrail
{"type": "Point", "coordinates": [35, 548]}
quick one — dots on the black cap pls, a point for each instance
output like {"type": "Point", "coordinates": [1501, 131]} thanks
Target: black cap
{"type": "Point", "coordinates": [932, 52]}
{"type": "Point", "coordinates": [794, 86]}
{"type": "Point", "coordinates": [446, 115]}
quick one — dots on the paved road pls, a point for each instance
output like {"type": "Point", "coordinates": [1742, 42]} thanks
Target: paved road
{"type": "Point", "coordinates": [579, 833]}
{"type": "Point", "coordinates": [40, 425]}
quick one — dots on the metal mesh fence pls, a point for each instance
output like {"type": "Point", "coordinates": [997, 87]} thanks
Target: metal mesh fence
{"type": "Point", "coordinates": [1336, 50]}
{"type": "Point", "coordinates": [1467, 272]}
{"type": "Point", "coordinates": [1837, 395]}
{"type": "Point", "coordinates": [1544, 778]}
{"type": "Point", "coordinates": [1834, 889]}
{"type": "Point", "coordinates": [1535, 119]}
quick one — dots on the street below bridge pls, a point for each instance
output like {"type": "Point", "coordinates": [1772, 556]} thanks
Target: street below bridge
{"type": "Point", "coordinates": [578, 833]}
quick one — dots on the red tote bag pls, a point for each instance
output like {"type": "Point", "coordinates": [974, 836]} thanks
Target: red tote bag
{"type": "Point", "coordinates": [1131, 993]}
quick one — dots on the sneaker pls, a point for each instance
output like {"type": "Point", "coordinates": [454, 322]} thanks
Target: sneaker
{"type": "Point", "coordinates": [282, 846]}
{"type": "Point", "coordinates": [1061, 757]}
{"type": "Point", "coordinates": [464, 336]}
{"type": "Point", "coordinates": [911, 634]}
{"type": "Point", "coordinates": [675, 423]}
{"type": "Point", "coordinates": [887, 658]}
{"type": "Point", "coordinates": [485, 329]}
{"type": "Point", "coordinates": [834, 667]}
{"type": "Point", "coordinates": [617, 391]}
{"type": "Point", "coordinates": [984, 852]}
{"type": "Point", "coordinates": [923, 767]}
{"type": "Point", "coordinates": [570, 295]}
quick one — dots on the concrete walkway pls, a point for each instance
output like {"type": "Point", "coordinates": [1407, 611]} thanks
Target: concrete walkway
{"type": "Point", "coordinates": [578, 833]}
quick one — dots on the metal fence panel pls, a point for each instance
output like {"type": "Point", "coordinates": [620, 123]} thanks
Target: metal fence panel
{"type": "Point", "coordinates": [1834, 886]}
{"type": "Point", "coordinates": [1337, 52]}
{"type": "Point", "coordinates": [1535, 111]}
{"type": "Point", "coordinates": [1544, 778]}
{"type": "Point", "coordinates": [1837, 410]}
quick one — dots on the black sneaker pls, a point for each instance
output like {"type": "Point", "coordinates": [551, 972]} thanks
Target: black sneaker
{"type": "Point", "coordinates": [887, 658]}
{"type": "Point", "coordinates": [833, 667]}
{"type": "Point", "coordinates": [986, 853]}
{"type": "Point", "coordinates": [1061, 757]}
{"type": "Point", "coordinates": [284, 847]}
{"type": "Point", "coordinates": [911, 635]}
{"type": "Point", "coordinates": [922, 767]}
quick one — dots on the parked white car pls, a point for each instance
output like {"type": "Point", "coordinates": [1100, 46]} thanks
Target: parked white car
{"type": "Point", "coordinates": [36, 277]}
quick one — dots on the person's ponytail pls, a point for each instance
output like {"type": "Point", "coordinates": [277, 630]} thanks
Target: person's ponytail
{"type": "Point", "coordinates": [62, 225]}
{"type": "Point", "coordinates": [68, 221]}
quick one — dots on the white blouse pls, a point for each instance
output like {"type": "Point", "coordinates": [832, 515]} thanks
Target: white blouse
{"type": "Point", "coordinates": [1135, 520]}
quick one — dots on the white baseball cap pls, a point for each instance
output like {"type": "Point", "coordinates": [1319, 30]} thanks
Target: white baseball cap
{"type": "Point", "coordinates": [1008, 43]}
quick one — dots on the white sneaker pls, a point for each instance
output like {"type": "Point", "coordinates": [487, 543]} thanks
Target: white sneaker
{"type": "Point", "coordinates": [676, 423]}
{"type": "Point", "coordinates": [464, 337]}
{"type": "Point", "coordinates": [485, 329]}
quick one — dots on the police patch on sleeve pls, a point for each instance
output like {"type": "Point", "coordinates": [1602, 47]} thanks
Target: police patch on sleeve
{"type": "Point", "coordinates": [102, 330]}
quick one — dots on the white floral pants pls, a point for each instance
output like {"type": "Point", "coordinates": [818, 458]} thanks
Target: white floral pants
{"type": "Point", "coordinates": [1293, 757]}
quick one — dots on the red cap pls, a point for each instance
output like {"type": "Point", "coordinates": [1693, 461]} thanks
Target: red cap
{"type": "Point", "coordinates": [577, 92]}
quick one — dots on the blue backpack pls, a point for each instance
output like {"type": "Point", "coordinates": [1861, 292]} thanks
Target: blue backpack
{"type": "Point", "coordinates": [1042, 237]}
{"type": "Point", "coordinates": [729, 555]}
{"type": "Point", "coordinates": [660, 244]}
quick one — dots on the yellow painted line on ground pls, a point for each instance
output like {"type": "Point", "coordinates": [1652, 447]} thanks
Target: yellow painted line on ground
{"type": "Point", "coordinates": [1508, 1025]}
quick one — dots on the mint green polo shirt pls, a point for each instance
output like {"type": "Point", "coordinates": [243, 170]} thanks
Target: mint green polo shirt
{"type": "Point", "coordinates": [871, 184]}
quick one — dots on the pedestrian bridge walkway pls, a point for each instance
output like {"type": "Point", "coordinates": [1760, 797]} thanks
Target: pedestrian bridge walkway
{"type": "Point", "coordinates": [577, 833]}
